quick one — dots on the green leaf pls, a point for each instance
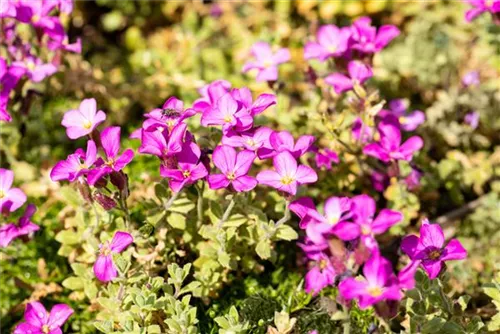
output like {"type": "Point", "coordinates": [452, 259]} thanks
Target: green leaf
{"type": "Point", "coordinates": [68, 237]}
{"type": "Point", "coordinates": [74, 283]}
{"type": "Point", "coordinates": [286, 232]}
{"type": "Point", "coordinates": [263, 249]}
{"type": "Point", "coordinates": [177, 221]}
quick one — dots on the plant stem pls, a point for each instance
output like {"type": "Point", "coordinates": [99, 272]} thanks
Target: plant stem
{"type": "Point", "coordinates": [199, 204]}
{"type": "Point", "coordinates": [286, 217]}
{"type": "Point", "coordinates": [171, 201]}
{"type": "Point", "coordinates": [226, 214]}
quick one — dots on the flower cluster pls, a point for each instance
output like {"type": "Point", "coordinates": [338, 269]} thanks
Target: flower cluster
{"type": "Point", "coordinates": [37, 320]}
{"type": "Point", "coordinates": [39, 56]}
{"type": "Point", "coordinates": [164, 134]}
{"type": "Point", "coordinates": [12, 199]}
{"type": "Point", "coordinates": [483, 6]}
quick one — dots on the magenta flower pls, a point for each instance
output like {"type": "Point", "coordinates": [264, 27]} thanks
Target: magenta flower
{"type": "Point", "coordinates": [331, 41]}
{"type": "Point", "coordinates": [321, 275]}
{"type": "Point", "coordinates": [75, 165]}
{"type": "Point", "coordinates": [334, 222]}
{"type": "Point", "coordinates": [287, 175]}
{"type": "Point", "coordinates": [251, 140]}
{"type": "Point", "coordinates": [367, 39]}
{"type": "Point", "coordinates": [7, 9]}
{"type": "Point", "coordinates": [171, 114]}
{"type": "Point", "coordinates": [406, 277]}
{"type": "Point", "coordinates": [9, 77]}
{"type": "Point", "coordinates": [228, 113]}
{"type": "Point", "coordinates": [409, 121]}
{"type": "Point", "coordinates": [471, 78]}
{"type": "Point", "coordinates": [11, 231]}
{"type": "Point", "coordinates": [210, 94]}
{"type": "Point", "coordinates": [358, 74]}
{"type": "Point", "coordinates": [104, 267]}
{"type": "Point", "coordinates": [361, 132]}
{"type": "Point", "coordinates": [37, 13]}
{"type": "Point", "coordinates": [413, 179]}
{"type": "Point", "coordinates": [38, 321]}
{"type": "Point", "coordinates": [325, 158]}
{"type": "Point", "coordinates": [481, 6]}
{"type": "Point", "coordinates": [11, 199]}
{"type": "Point", "coordinates": [430, 250]}
{"type": "Point", "coordinates": [162, 143]}
{"type": "Point", "coordinates": [380, 181]}
{"type": "Point", "coordinates": [389, 147]}
{"type": "Point", "coordinates": [472, 119]}
{"type": "Point", "coordinates": [110, 140]}
{"type": "Point", "coordinates": [187, 168]}
{"type": "Point", "coordinates": [35, 69]}
{"type": "Point", "coordinates": [244, 97]}
{"type": "Point", "coordinates": [379, 283]}
{"type": "Point", "coordinates": [234, 167]}
{"type": "Point", "coordinates": [283, 141]}
{"type": "Point", "coordinates": [363, 209]}
{"type": "Point", "coordinates": [83, 121]}
{"type": "Point", "coordinates": [266, 62]}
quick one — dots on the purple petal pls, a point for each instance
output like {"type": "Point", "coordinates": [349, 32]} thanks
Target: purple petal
{"type": "Point", "coordinates": [120, 241]}
{"type": "Point", "coordinates": [110, 139]}
{"type": "Point", "coordinates": [432, 267]}
{"type": "Point", "coordinates": [95, 174]}
{"type": "Point", "coordinates": [124, 159]}
{"type": "Point", "coordinates": [409, 245]}
{"type": "Point", "coordinates": [376, 151]}
{"type": "Point", "coordinates": [410, 146]}
{"type": "Point", "coordinates": [244, 161]}
{"type": "Point", "coordinates": [244, 183]}
{"type": "Point", "coordinates": [303, 144]}
{"type": "Point", "coordinates": [35, 314]}
{"type": "Point", "coordinates": [281, 56]}
{"type": "Point", "coordinates": [59, 314]}
{"type": "Point", "coordinates": [346, 231]}
{"type": "Point", "coordinates": [286, 165]}
{"type": "Point", "coordinates": [104, 268]}
{"type": "Point", "coordinates": [269, 178]}
{"type": "Point", "coordinates": [339, 82]}
{"type": "Point", "coordinates": [306, 174]}
{"type": "Point", "coordinates": [218, 181]}
{"type": "Point", "coordinates": [224, 157]}
{"type": "Point", "coordinates": [263, 102]}
{"type": "Point", "coordinates": [302, 206]}
{"type": "Point", "coordinates": [385, 35]}
{"type": "Point", "coordinates": [385, 219]}
{"type": "Point", "coordinates": [454, 251]}
{"type": "Point", "coordinates": [6, 179]}
{"type": "Point", "coordinates": [377, 270]}
{"type": "Point", "coordinates": [406, 277]}
{"type": "Point", "coordinates": [431, 235]}
{"type": "Point", "coordinates": [25, 328]}
{"type": "Point", "coordinates": [268, 74]}
{"type": "Point", "coordinates": [363, 208]}
{"type": "Point", "coordinates": [13, 200]}
{"type": "Point", "coordinates": [351, 288]}
{"type": "Point", "coordinates": [359, 71]}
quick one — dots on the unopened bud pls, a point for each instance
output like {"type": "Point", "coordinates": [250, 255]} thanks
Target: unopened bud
{"type": "Point", "coordinates": [105, 201]}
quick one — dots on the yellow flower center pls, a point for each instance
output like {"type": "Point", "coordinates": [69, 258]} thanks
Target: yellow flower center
{"type": "Point", "coordinates": [489, 3]}
{"type": "Point", "coordinates": [333, 220]}
{"type": "Point", "coordinates": [435, 254]}
{"type": "Point", "coordinates": [35, 18]}
{"type": "Point", "coordinates": [228, 118]}
{"type": "Point", "coordinates": [87, 124]}
{"type": "Point", "coordinates": [2, 194]}
{"type": "Point", "coordinates": [82, 166]}
{"type": "Point", "coordinates": [366, 230]}
{"type": "Point", "coordinates": [31, 65]}
{"type": "Point", "coordinates": [332, 48]}
{"type": "Point", "coordinates": [46, 329]}
{"type": "Point", "coordinates": [287, 180]}
{"type": "Point", "coordinates": [403, 120]}
{"type": "Point", "coordinates": [322, 264]}
{"type": "Point", "coordinates": [230, 176]}
{"type": "Point", "coordinates": [375, 291]}
{"type": "Point", "coordinates": [105, 250]}
{"type": "Point", "coordinates": [186, 173]}
{"type": "Point", "coordinates": [267, 63]}
{"type": "Point", "coordinates": [250, 142]}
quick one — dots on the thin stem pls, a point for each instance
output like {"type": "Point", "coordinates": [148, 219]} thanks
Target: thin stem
{"type": "Point", "coordinates": [227, 213]}
{"type": "Point", "coordinates": [286, 217]}
{"type": "Point", "coordinates": [171, 201]}
{"type": "Point", "coordinates": [199, 204]}
{"type": "Point", "coordinates": [123, 206]}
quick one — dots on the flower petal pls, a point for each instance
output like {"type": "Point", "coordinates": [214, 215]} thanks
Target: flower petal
{"type": "Point", "coordinates": [120, 241]}
{"type": "Point", "coordinates": [59, 314]}
{"type": "Point", "coordinates": [104, 268]}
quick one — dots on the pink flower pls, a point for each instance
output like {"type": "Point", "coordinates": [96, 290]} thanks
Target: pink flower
{"type": "Point", "coordinates": [361, 131]}
{"type": "Point", "coordinates": [266, 62]}
{"type": "Point", "coordinates": [7, 9]}
{"type": "Point", "coordinates": [331, 42]}
{"type": "Point", "coordinates": [110, 140]}
{"type": "Point", "coordinates": [321, 275]}
{"type": "Point", "coordinates": [75, 165]}
{"type": "Point", "coordinates": [104, 268]}
{"type": "Point", "coordinates": [287, 175]}
{"type": "Point", "coordinates": [325, 158]}
{"type": "Point", "coordinates": [430, 250]}
{"type": "Point", "coordinates": [284, 142]}
{"type": "Point", "coordinates": [472, 119]}
{"type": "Point", "coordinates": [363, 209]}
{"type": "Point", "coordinates": [365, 37]}
{"type": "Point", "coordinates": [171, 114]}
{"type": "Point", "coordinates": [162, 143]}
{"type": "Point", "coordinates": [83, 121]}
{"type": "Point", "coordinates": [244, 97]}
{"type": "Point", "coordinates": [358, 74]}
{"type": "Point", "coordinates": [35, 69]}
{"type": "Point", "coordinates": [251, 140]}
{"type": "Point", "coordinates": [185, 169]}
{"type": "Point", "coordinates": [11, 231]}
{"type": "Point", "coordinates": [11, 199]}
{"type": "Point", "coordinates": [234, 167]}
{"type": "Point", "coordinates": [389, 147]}
{"type": "Point", "coordinates": [379, 283]}
{"type": "Point", "coordinates": [38, 321]}
{"type": "Point", "coordinates": [228, 113]}
{"type": "Point", "coordinates": [9, 76]}
{"type": "Point", "coordinates": [471, 78]}
{"type": "Point", "coordinates": [334, 222]}
{"type": "Point", "coordinates": [211, 93]}
{"type": "Point", "coordinates": [481, 6]}
{"type": "Point", "coordinates": [409, 121]}
{"type": "Point", "coordinates": [37, 13]}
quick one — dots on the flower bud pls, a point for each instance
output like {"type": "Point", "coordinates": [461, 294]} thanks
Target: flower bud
{"type": "Point", "coordinates": [105, 201]}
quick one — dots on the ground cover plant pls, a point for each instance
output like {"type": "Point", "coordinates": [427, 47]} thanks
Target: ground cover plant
{"type": "Point", "coordinates": [249, 167]}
